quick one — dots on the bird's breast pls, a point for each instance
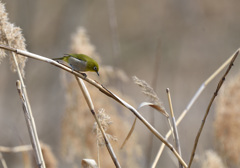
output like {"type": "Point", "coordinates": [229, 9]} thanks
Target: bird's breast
{"type": "Point", "coordinates": [77, 64]}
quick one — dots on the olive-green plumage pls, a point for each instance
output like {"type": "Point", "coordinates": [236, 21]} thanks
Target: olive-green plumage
{"type": "Point", "coordinates": [80, 62]}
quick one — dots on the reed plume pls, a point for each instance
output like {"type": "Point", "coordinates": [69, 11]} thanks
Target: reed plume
{"type": "Point", "coordinates": [11, 35]}
{"type": "Point", "coordinates": [227, 123]}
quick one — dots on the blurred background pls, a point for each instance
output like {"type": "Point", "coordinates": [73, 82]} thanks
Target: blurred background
{"type": "Point", "coordinates": [169, 44]}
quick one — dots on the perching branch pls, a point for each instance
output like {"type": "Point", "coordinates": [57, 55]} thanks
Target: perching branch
{"type": "Point", "coordinates": [103, 90]}
{"type": "Point", "coordinates": [209, 106]}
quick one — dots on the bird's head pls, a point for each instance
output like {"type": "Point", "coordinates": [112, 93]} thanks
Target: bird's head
{"type": "Point", "coordinates": [93, 66]}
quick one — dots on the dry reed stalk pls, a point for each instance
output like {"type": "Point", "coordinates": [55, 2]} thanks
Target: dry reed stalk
{"type": "Point", "coordinates": [31, 126]}
{"type": "Point", "coordinates": [209, 106]}
{"type": "Point", "coordinates": [91, 108]}
{"type": "Point", "coordinates": [175, 131]}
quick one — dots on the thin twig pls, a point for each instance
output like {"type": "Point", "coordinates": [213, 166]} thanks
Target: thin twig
{"type": "Point", "coordinates": [103, 90]}
{"type": "Point", "coordinates": [192, 101]}
{"type": "Point", "coordinates": [174, 126]}
{"type": "Point", "coordinates": [130, 133]}
{"type": "Point", "coordinates": [209, 106]}
{"type": "Point", "coordinates": [91, 107]}
{"type": "Point", "coordinates": [16, 149]}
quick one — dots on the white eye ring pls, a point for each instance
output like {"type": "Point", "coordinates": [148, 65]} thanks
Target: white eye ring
{"type": "Point", "coordinates": [95, 68]}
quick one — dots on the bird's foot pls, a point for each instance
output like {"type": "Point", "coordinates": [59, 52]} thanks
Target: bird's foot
{"type": "Point", "coordinates": [85, 75]}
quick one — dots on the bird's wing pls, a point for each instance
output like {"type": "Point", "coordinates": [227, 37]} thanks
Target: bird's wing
{"type": "Point", "coordinates": [77, 64]}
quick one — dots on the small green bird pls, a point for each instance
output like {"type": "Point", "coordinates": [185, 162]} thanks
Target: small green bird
{"type": "Point", "coordinates": [80, 62]}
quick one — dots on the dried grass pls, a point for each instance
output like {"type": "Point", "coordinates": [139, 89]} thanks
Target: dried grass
{"type": "Point", "coordinates": [148, 91]}
{"type": "Point", "coordinates": [105, 122]}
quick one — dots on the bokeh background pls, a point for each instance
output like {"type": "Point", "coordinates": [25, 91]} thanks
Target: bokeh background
{"type": "Point", "coordinates": [170, 44]}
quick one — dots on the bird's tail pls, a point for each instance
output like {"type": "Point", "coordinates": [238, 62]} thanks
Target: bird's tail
{"type": "Point", "coordinates": [62, 58]}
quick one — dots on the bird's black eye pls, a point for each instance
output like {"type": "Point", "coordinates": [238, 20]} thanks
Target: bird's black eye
{"type": "Point", "coordinates": [95, 68]}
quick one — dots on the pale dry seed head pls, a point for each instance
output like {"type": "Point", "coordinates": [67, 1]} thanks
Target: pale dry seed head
{"type": "Point", "coordinates": [212, 160]}
{"type": "Point", "coordinates": [227, 121]}
{"type": "Point", "coordinates": [3, 22]}
{"type": "Point", "coordinates": [148, 91]}
{"type": "Point", "coordinates": [12, 36]}
{"type": "Point", "coordinates": [105, 122]}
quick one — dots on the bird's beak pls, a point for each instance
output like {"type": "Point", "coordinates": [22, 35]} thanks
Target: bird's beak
{"type": "Point", "coordinates": [97, 73]}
